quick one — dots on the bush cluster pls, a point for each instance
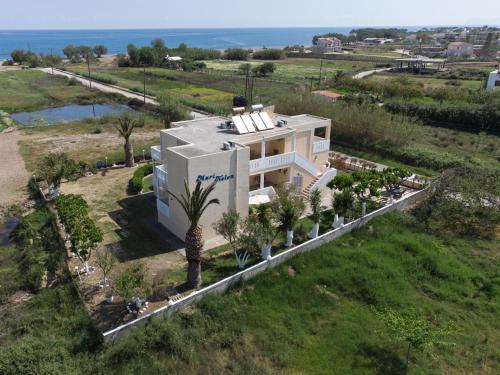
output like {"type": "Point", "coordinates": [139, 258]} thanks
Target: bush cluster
{"type": "Point", "coordinates": [136, 183]}
{"type": "Point", "coordinates": [467, 117]}
{"type": "Point", "coordinates": [269, 54]}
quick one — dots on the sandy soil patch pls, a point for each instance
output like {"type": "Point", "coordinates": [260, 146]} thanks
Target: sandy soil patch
{"type": "Point", "coordinates": [13, 174]}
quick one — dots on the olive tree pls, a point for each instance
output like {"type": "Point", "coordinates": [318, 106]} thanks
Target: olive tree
{"type": "Point", "coordinates": [228, 227]}
{"type": "Point", "coordinates": [413, 330]}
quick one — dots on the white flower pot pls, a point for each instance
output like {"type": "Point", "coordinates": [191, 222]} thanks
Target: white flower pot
{"type": "Point", "coordinates": [265, 251]}
{"type": "Point", "coordinates": [289, 238]}
{"type": "Point", "coordinates": [314, 231]}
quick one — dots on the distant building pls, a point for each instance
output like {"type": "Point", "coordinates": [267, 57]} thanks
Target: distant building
{"type": "Point", "coordinates": [493, 80]}
{"type": "Point", "coordinates": [173, 58]}
{"type": "Point", "coordinates": [326, 45]}
{"type": "Point", "coordinates": [328, 95]}
{"type": "Point", "coordinates": [377, 40]}
{"type": "Point", "coordinates": [460, 49]}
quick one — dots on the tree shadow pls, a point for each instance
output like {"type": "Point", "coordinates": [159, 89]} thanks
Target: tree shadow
{"type": "Point", "coordinates": [381, 360]}
{"type": "Point", "coordinates": [140, 233]}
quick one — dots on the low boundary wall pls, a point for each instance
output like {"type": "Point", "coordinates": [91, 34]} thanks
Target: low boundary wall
{"type": "Point", "coordinates": [222, 285]}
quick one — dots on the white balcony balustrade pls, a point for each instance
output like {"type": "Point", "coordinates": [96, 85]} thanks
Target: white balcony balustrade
{"type": "Point", "coordinates": [321, 146]}
{"type": "Point", "coordinates": [156, 153]}
{"type": "Point", "coordinates": [275, 161]}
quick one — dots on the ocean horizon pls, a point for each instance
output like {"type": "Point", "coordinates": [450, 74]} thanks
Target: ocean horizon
{"type": "Point", "coordinates": [116, 40]}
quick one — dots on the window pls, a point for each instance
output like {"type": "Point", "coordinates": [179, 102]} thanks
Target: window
{"type": "Point", "coordinates": [320, 132]}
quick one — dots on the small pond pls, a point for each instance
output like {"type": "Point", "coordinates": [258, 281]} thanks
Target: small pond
{"type": "Point", "coordinates": [69, 112]}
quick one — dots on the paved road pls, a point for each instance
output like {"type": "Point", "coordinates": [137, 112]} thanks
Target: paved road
{"type": "Point", "coordinates": [369, 73]}
{"type": "Point", "coordinates": [113, 89]}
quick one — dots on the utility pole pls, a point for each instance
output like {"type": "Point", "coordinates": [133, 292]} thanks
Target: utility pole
{"type": "Point", "coordinates": [52, 61]}
{"type": "Point", "coordinates": [320, 72]}
{"type": "Point", "coordinates": [144, 75]}
{"type": "Point", "coordinates": [88, 66]}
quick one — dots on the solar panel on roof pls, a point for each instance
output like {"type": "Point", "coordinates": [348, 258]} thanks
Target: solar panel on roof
{"type": "Point", "coordinates": [258, 121]}
{"type": "Point", "coordinates": [248, 123]}
{"type": "Point", "coordinates": [240, 125]}
{"type": "Point", "coordinates": [267, 120]}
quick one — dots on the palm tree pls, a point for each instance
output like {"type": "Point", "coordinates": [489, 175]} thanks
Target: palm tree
{"type": "Point", "coordinates": [126, 126]}
{"type": "Point", "coordinates": [194, 204]}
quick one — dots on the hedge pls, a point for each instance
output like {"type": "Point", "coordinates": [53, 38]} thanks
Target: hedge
{"type": "Point", "coordinates": [136, 182]}
{"type": "Point", "coordinates": [464, 117]}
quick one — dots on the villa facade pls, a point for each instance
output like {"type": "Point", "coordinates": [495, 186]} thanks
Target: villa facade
{"type": "Point", "coordinates": [246, 155]}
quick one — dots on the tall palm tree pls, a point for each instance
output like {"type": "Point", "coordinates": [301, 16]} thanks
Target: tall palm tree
{"type": "Point", "coordinates": [194, 204]}
{"type": "Point", "coordinates": [126, 126]}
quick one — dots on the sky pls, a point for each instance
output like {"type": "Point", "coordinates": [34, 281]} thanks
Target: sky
{"type": "Point", "coordinates": [127, 14]}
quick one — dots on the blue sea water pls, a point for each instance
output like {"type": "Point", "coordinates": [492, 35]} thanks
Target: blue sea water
{"type": "Point", "coordinates": [117, 40]}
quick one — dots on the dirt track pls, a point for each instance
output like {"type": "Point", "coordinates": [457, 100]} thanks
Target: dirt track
{"type": "Point", "coordinates": [13, 174]}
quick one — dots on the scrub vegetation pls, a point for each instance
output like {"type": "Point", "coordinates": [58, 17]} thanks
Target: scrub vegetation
{"type": "Point", "coordinates": [318, 313]}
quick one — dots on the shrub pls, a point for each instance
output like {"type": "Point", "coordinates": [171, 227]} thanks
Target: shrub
{"type": "Point", "coordinates": [269, 54]}
{"type": "Point", "coordinates": [464, 202]}
{"type": "Point", "coordinates": [137, 180]}
{"type": "Point", "coordinates": [236, 54]}
{"type": "Point", "coordinates": [132, 283]}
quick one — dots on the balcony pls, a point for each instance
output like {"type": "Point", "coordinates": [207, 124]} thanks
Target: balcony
{"type": "Point", "coordinates": [321, 146]}
{"type": "Point", "coordinates": [156, 153]}
{"type": "Point", "coordinates": [272, 162]}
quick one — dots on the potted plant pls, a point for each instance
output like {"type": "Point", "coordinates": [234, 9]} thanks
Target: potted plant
{"type": "Point", "coordinates": [287, 208]}
{"type": "Point", "coordinates": [315, 204]}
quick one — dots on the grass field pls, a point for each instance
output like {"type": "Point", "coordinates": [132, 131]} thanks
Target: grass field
{"type": "Point", "coordinates": [427, 81]}
{"type": "Point", "coordinates": [296, 70]}
{"type": "Point", "coordinates": [312, 315]}
{"type": "Point", "coordinates": [88, 140]}
{"type": "Point", "coordinates": [31, 89]}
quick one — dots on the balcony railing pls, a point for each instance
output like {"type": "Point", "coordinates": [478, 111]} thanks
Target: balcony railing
{"type": "Point", "coordinates": [270, 162]}
{"type": "Point", "coordinates": [156, 153]}
{"type": "Point", "coordinates": [321, 146]}
{"type": "Point", "coordinates": [162, 208]}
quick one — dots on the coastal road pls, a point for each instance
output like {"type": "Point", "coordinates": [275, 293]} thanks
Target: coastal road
{"type": "Point", "coordinates": [112, 89]}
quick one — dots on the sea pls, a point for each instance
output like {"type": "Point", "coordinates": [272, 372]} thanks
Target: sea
{"type": "Point", "coordinates": [53, 41]}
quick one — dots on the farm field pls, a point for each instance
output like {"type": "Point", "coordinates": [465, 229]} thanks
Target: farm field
{"type": "Point", "coordinates": [296, 70]}
{"type": "Point", "coordinates": [314, 314]}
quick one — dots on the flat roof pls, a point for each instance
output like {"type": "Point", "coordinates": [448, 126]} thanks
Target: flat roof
{"type": "Point", "coordinates": [203, 136]}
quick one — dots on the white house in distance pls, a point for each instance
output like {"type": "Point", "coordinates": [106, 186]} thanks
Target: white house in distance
{"type": "Point", "coordinates": [460, 49]}
{"type": "Point", "coordinates": [493, 80]}
{"type": "Point", "coordinates": [328, 45]}
{"type": "Point", "coordinates": [246, 155]}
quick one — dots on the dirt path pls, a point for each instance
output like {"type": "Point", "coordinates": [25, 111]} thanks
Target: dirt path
{"type": "Point", "coordinates": [111, 89]}
{"type": "Point", "coordinates": [13, 174]}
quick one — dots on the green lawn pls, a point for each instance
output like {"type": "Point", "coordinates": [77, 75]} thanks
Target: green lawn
{"type": "Point", "coordinates": [31, 89]}
{"type": "Point", "coordinates": [311, 315]}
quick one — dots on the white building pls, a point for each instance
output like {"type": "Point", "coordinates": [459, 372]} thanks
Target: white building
{"type": "Point", "coordinates": [326, 45]}
{"type": "Point", "coordinates": [493, 80]}
{"type": "Point", "coordinates": [247, 156]}
{"type": "Point", "coordinates": [460, 49]}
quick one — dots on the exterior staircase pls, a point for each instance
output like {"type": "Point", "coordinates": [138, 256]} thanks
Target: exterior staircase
{"type": "Point", "coordinates": [307, 190]}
